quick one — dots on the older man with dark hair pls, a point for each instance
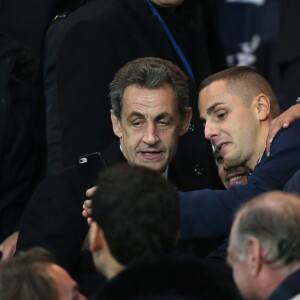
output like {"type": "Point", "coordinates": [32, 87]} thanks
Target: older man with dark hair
{"type": "Point", "coordinates": [264, 247]}
{"type": "Point", "coordinates": [150, 111]}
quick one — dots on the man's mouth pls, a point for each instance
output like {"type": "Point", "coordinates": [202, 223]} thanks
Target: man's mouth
{"type": "Point", "coordinates": [220, 146]}
{"type": "Point", "coordinates": [237, 179]}
{"type": "Point", "coordinates": [151, 155]}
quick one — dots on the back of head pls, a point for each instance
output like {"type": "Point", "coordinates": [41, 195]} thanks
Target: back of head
{"type": "Point", "coordinates": [149, 72]}
{"type": "Point", "coordinates": [24, 277]}
{"type": "Point", "coordinates": [247, 83]}
{"type": "Point", "coordinates": [274, 219]}
{"type": "Point", "coordinates": [138, 212]}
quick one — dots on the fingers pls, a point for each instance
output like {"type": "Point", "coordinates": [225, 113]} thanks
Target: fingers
{"type": "Point", "coordinates": [90, 192]}
{"type": "Point", "coordinates": [87, 210]}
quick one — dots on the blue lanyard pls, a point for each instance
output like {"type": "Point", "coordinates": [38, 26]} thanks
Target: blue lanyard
{"type": "Point", "coordinates": [172, 41]}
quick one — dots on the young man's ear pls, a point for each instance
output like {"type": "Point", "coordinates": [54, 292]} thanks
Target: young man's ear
{"type": "Point", "coordinates": [185, 121]}
{"type": "Point", "coordinates": [116, 124]}
{"type": "Point", "coordinates": [95, 237]}
{"type": "Point", "coordinates": [263, 107]}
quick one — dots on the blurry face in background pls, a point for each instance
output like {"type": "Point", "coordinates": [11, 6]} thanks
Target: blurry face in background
{"type": "Point", "coordinates": [230, 176]}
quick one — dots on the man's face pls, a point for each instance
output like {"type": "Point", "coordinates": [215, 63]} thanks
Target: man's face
{"type": "Point", "coordinates": [66, 287]}
{"type": "Point", "coordinates": [230, 176]}
{"type": "Point", "coordinates": [231, 126]}
{"type": "Point", "coordinates": [150, 126]}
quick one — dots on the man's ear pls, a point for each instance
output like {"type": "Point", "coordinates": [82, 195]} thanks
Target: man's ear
{"type": "Point", "coordinates": [116, 124]}
{"type": "Point", "coordinates": [263, 106]}
{"type": "Point", "coordinates": [95, 237]}
{"type": "Point", "coordinates": [255, 256]}
{"type": "Point", "coordinates": [185, 121]}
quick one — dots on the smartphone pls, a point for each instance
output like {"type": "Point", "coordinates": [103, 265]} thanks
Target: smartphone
{"type": "Point", "coordinates": [89, 167]}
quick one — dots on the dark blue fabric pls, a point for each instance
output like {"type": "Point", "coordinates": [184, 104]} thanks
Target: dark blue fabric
{"type": "Point", "coordinates": [288, 289]}
{"type": "Point", "coordinates": [209, 213]}
{"type": "Point", "coordinates": [293, 185]}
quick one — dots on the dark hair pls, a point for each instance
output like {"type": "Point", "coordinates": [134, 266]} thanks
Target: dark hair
{"type": "Point", "coordinates": [24, 277]}
{"type": "Point", "coordinates": [247, 83]}
{"type": "Point", "coordinates": [138, 211]}
{"type": "Point", "coordinates": [274, 219]}
{"type": "Point", "coordinates": [149, 72]}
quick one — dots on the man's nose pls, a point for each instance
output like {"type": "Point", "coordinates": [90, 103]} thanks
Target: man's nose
{"type": "Point", "coordinates": [151, 135]}
{"type": "Point", "coordinates": [210, 130]}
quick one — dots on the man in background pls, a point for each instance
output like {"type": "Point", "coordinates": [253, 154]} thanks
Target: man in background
{"type": "Point", "coordinates": [33, 274]}
{"type": "Point", "coordinates": [264, 247]}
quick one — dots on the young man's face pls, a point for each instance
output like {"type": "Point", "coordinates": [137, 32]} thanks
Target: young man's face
{"type": "Point", "coordinates": [150, 126]}
{"type": "Point", "coordinates": [230, 125]}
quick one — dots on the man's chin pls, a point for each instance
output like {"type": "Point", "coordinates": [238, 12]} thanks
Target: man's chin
{"type": "Point", "coordinates": [155, 166]}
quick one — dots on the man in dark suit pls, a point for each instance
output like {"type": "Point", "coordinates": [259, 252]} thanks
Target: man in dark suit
{"type": "Point", "coordinates": [149, 99]}
{"type": "Point", "coordinates": [264, 247]}
{"type": "Point", "coordinates": [237, 106]}
{"type": "Point", "coordinates": [94, 49]}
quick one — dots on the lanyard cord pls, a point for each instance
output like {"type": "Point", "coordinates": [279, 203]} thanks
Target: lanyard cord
{"type": "Point", "coordinates": [172, 41]}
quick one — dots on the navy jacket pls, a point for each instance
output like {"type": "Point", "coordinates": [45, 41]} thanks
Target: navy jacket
{"type": "Point", "coordinates": [293, 185]}
{"type": "Point", "coordinates": [207, 213]}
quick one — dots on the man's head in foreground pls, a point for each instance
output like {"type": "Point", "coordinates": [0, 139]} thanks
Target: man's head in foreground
{"type": "Point", "coordinates": [135, 215]}
{"type": "Point", "coordinates": [149, 99]}
{"type": "Point", "coordinates": [264, 246]}
{"type": "Point", "coordinates": [237, 106]}
{"type": "Point", "coordinates": [32, 274]}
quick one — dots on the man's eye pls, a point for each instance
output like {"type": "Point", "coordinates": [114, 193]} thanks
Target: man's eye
{"type": "Point", "coordinates": [221, 115]}
{"type": "Point", "coordinates": [163, 123]}
{"type": "Point", "coordinates": [136, 124]}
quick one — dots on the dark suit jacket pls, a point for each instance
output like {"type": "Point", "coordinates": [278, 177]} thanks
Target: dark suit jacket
{"type": "Point", "coordinates": [91, 53]}
{"type": "Point", "coordinates": [53, 218]}
{"type": "Point", "coordinates": [208, 213]}
{"type": "Point", "coordinates": [20, 131]}
{"type": "Point", "coordinates": [56, 32]}
{"type": "Point", "coordinates": [289, 51]}
{"type": "Point", "coordinates": [177, 277]}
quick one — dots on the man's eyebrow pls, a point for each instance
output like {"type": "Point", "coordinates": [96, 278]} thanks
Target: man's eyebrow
{"type": "Point", "coordinates": [212, 108]}
{"type": "Point", "coordinates": [135, 114]}
{"type": "Point", "coordinates": [162, 115]}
